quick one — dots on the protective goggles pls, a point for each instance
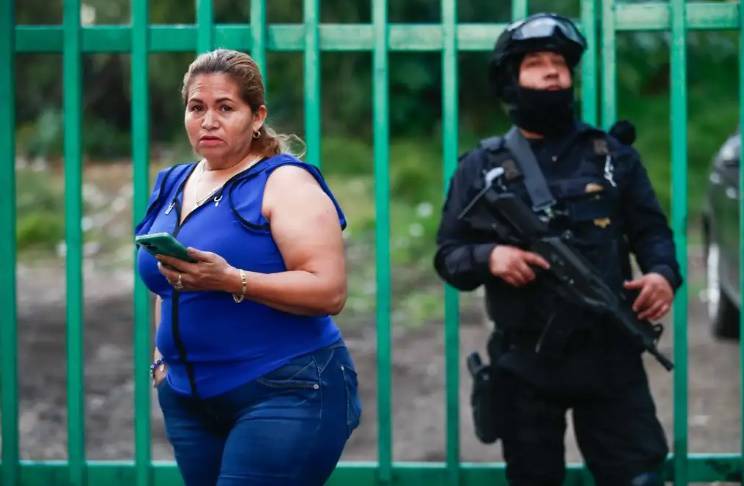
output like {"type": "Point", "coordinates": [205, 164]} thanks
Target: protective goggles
{"type": "Point", "coordinates": [545, 26]}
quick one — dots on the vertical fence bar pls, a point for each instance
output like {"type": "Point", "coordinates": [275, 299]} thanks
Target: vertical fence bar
{"type": "Point", "coordinates": [258, 37]}
{"type": "Point", "coordinates": [382, 236]}
{"type": "Point", "coordinates": [8, 324]}
{"type": "Point", "coordinates": [589, 63]}
{"type": "Point", "coordinates": [609, 69]}
{"type": "Point", "coordinates": [451, 301]}
{"type": "Point", "coordinates": [741, 223]}
{"type": "Point", "coordinates": [519, 9]}
{"type": "Point", "coordinates": [205, 26]}
{"type": "Point", "coordinates": [678, 82]}
{"type": "Point", "coordinates": [72, 75]}
{"type": "Point", "coordinates": [140, 163]}
{"type": "Point", "coordinates": [312, 82]}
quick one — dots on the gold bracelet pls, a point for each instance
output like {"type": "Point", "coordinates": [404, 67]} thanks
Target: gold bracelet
{"type": "Point", "coordinates": [243, 282]}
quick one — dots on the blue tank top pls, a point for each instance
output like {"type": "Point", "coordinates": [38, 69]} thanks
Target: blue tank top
{"type": "Point", "coordinates": [210, 343]}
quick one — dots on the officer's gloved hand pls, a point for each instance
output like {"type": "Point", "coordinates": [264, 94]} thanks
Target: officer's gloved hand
{"type": "Point", "coordinates": [514, 265]}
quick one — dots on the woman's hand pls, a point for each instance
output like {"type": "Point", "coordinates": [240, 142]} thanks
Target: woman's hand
{"type": "Point", "coordinates": [209, 272]}
{"type": "Point", "coordinates": [159, 375]}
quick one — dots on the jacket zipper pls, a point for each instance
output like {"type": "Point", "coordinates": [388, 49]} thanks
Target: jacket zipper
{"type": "Point", "coordinates": [175, 327]}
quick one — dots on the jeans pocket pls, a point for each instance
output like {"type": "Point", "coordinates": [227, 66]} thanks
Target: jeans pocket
{"type": "Point", "coordinates": [353, 404]}
{"type": "Point", "coordinates": [299, 373]}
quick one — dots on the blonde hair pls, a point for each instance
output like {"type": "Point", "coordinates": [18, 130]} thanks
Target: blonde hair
{"type": "Point", "coordinates": [243, 70]}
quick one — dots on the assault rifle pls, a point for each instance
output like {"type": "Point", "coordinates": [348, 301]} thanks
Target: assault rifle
{"type": "Point", "coordinates": [570, 275]}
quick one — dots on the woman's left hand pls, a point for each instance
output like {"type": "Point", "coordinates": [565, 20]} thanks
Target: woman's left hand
{"type": "Point", "coordinates": [209, 272]}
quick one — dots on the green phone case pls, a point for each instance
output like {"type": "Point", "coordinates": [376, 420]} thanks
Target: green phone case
{"type": "Point", "coordinates": [163, 244]}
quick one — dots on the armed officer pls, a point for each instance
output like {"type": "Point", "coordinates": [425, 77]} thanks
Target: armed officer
{"type": "Point", "coordinates": [553, 355]}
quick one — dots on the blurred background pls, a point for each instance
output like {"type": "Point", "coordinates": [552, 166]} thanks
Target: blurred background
{"type": "Point", "coordinates": [347, 162]}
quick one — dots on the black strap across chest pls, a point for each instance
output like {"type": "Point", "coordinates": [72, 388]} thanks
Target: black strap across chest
{"type": "Point", "coordinates": [534, 180]}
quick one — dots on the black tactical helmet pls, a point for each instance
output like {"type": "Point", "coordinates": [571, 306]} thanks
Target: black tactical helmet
{"type": "Point", "coordinates": [538, 32]}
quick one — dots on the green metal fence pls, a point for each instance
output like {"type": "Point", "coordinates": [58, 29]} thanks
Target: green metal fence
{"type": "Point", "coordinates": [600, 21]}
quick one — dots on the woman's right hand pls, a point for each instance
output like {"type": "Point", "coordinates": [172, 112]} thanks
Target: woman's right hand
{"type": "Point", "coordinates": [159, 375]}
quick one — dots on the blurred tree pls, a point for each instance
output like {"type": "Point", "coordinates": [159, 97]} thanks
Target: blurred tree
{"type": "Point", "coordinates": [415, 78]}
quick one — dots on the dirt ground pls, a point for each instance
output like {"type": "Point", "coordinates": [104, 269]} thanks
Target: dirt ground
{"type": "Point", "coordinates": [418, 377]}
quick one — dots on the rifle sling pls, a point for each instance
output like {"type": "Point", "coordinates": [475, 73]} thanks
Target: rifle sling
{"type": "Point", "coordinates": [534, 180]}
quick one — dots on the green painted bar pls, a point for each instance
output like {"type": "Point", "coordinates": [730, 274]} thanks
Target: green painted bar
{"type": "Point", "coordinates": [278, 37]}
{"type": "Point", "coordinates": [589, 62]}
{"type": "Point", "coordinates": [702, 468]}
{"type": "Point", "coordinates": [451, 301]}
{"type": "Point", "coordinates": [381, 142]}
{"type": "Point", "coordinates": [312, 82]}
{"type": "Point", "coordinates": [519, 9]}
{"type": "Point", "coordinates": [140, 182]}
{"type": "Point", "coordinates": [205, 26]}
{"type": "Point", "coordinates": [177, 38]}
{"type": "Point", "coordinates": [656, 16]}
{"type": "Point", "coordinates": [257, 41]}
{"type": "Point", "coordinates": [678, 81]}
{"type": "Point", "coordinates": [741, 222]}
{"type": "Point", "coordinates": [72, 80]}
{"type": "Point", "coordinates": [351, 37]}
{"type": "Point", "coordinates": [8, 310]}
{"type": "Point", "coordinates": [609, 68]}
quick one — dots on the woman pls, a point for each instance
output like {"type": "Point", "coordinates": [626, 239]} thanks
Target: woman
{"type": "Point", "coordinates": [255, 384]}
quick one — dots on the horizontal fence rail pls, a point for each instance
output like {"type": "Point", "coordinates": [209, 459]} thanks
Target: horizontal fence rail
{"type": "Point", "coordinates": [601, 22]}
{"type": "Point", "coordinates": [288, 37]}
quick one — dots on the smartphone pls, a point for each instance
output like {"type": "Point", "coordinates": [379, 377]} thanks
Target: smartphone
{"type": "Point", "coordinates": [163, 244]}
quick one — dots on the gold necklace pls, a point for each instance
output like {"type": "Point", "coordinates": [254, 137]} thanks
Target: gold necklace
{"type": "Point", "coordinates": [199, 201]}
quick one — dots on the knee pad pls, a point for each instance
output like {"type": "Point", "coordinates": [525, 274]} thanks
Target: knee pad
{"type": "Point", "coordinates": [647, 479]}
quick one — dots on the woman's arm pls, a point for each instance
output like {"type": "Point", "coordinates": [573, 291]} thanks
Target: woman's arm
{"type": "Point", "coordinates": [306, 229]}
{"type": "Point", "coordinates": [161, 371]}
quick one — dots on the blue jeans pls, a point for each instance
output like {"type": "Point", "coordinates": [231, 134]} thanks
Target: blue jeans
{"type": "Point", "coordinates": [286, 428]}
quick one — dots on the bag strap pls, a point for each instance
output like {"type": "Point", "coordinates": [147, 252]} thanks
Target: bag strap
{"type": "Point", "coordinates": [534, 180]}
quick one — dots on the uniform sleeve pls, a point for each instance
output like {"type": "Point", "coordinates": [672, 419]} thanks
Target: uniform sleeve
{"type": "Point", "coordinates": [462, 253]}
{"type": "Point", "coordinates": [647, 228]}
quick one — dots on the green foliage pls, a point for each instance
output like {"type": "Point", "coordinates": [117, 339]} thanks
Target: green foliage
{"type": "Point", "coordinates": [105, 140]}
{"type": "Point", "coordinates": [39, 230]}
{"type": "Point", "coordinates": [712, 100]}
{"type": "Point", "coordinates": [41, 137]}
{"type": "Point", "coordinates": [346, 156]}
{"type": "Point", "coordinates": [40, 221]}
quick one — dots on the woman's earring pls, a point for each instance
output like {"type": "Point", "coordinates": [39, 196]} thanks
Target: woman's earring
{"type": "Point", "coordinates": [257, 134]}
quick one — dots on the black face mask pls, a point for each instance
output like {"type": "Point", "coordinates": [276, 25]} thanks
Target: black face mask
{"type": "Point", "coordinates": [549, 113]}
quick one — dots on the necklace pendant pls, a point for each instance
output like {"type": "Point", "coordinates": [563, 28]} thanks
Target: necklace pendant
{"type": "Point", "coordinates": [217, 200]}
{"type": "Point", "coordinates": [170, 207]}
